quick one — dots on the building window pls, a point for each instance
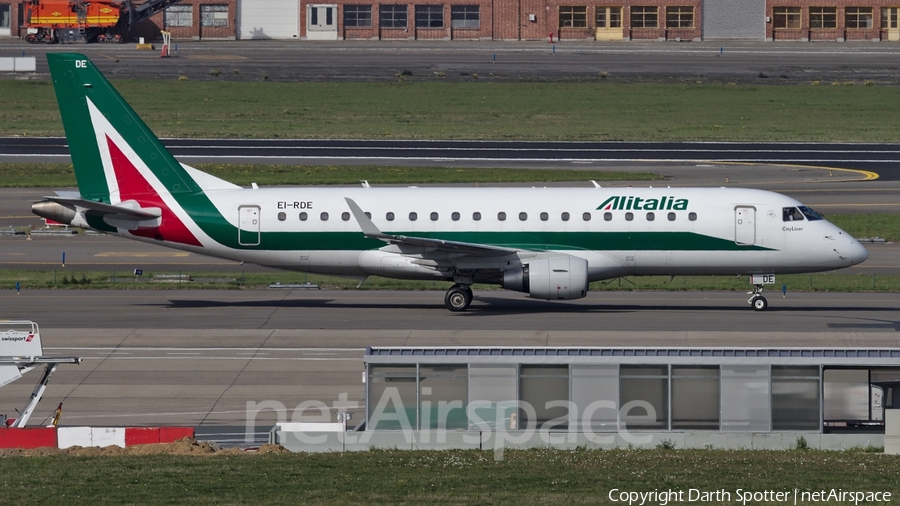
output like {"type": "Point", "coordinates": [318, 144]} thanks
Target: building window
{"type": "Point", "coordinates": [888, 17]}
{"type": "Point", "coordinates": [464, 16]}
{"type": "Point", "coordinates": [429, 16]}
{"type": "Point", "coordinates": [443, 397]}
{"type": "Point", "coordinates": [644, 397]}
{"type": "Point", "coordinates": [858, 17]}
{"type": "Point", "coordinates": [357, 16]}
{"type": "Point", "coordinates": [644, 16]}
{"type": "Point", "coordinates": [546, 390]}
{"type": "Point", "coordinates": [572, 16]}
{"type": "Point", "coordinates": [392, 383]}
{"type": "Point", "coordinates": [180, 15]}
{"type": "Point", "coordinates": [695, 397]}
{"type": "Point", "coordinates": [786, 17]}
{"type": "Point", "coordinates": [795, 398]}
{"type": "Point", "coordinates": [4, 16]}
{"type": "Point", "coordinates": [392, 16]}
{"type": "Point", "coordinates": [214, 15]}
{"type": "Point", "coordinates": [681, 16]}
{"type": "Point", "coordinates": [609, 17]}
{"type": "Point", "coordinates": [823, 17]}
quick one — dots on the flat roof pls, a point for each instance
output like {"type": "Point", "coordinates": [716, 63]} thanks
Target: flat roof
{"type": "Point", "coordinates": [634, 355]}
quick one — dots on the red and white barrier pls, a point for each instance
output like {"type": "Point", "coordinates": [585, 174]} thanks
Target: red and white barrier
{"type": "Point", "coordinates": [67, 437]}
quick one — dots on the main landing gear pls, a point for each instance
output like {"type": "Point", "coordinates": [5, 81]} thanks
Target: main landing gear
{"type": "Point", "coordinates": [757, 301]}
{"type": "Point", "coordinates": [458, 298]}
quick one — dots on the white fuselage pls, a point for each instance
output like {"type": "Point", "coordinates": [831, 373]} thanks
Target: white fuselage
{"type": "Point", "coordinates": [697, 231]}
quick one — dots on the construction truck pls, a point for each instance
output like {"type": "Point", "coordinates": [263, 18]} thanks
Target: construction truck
{"type": "Point", "coordinates": [73, 21]}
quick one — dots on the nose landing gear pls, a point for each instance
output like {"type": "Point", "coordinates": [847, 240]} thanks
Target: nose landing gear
{"type": "Point", "coordinates": [458, 298]}
{"type": "Point", "coordinates": [757, 301]}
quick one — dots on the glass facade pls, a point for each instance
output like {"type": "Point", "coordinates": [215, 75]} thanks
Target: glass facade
{"type": "Point", "coordinates": [611, 397]}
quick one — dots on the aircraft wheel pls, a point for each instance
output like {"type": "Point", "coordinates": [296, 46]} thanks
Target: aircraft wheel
{"type": "Point", "coordinates": [760, 303]}
{"type": "Point", "coordinates": [458, 298]}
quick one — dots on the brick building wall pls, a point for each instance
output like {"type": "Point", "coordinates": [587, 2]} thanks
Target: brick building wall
{"type": "Point", "coordinates": [852, 20]}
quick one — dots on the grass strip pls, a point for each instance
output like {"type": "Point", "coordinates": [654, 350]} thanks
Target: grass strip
{"type": "Point", "coordinates": [486, 109]}
{"type": "Point", "coordinates": [71, 277]}
{"type": "Point", "coordinates": [538, 476]}
{"type": "Point", "coordinates": [61, 174]}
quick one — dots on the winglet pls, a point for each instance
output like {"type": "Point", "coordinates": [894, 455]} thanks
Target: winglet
{"type": "Point", "coordinates": [368, 228]}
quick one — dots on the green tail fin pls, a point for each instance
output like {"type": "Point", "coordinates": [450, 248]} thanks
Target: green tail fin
{"type": "Point", "coordinates": [98, 122]}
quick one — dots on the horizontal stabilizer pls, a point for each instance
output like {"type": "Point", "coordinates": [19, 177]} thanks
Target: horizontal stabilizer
{"type": "Point", "coordinates": [122, 209]}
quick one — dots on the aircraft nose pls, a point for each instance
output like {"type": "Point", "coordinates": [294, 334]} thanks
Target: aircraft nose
{"type": "Point", "coordinates": [858, 252]}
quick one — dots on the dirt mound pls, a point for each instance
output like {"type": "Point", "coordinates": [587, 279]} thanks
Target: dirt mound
{"type": "Point", "coordinates": [184, 446]}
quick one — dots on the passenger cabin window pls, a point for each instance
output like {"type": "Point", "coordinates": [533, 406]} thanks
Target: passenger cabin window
{"type": "Point", "coordinates": [651, 216]}
{"type": "Point", "coordinates": [454, 216]}
{"type": "Point", "coordinates": [501, 216]}
{"type": "Point", "coordinates": [434, 216]}
{"type": "Point", "coordinates": [545, 216]}
{"type": "Point", "coordinates": [345, 216]}
{"type": "Point", "coordinates": [692, 216]}
{"type": "Point", "coordinates": [671, 216]}
{"type": "Point", "coordinates": [791, 214]}
{"type": "Point", "coordinates": [282, 216]}
{"type": "Point", "coordinates": [389, 216]}
{"type": "Point", "coordinates": [368, 214]}
{"type": "Point", "coordinates": [565, 216]}
{"type": "Point", "coordinates": [523, 216]}
{"type": "Point", "coordinates": [476, 216]}
{"type": "Point", "coordinates": [304, 216]}
{"type": "Point", "coordinates": [413, 216]}
{"type": "Point", "coordinates": [323, 216]}
{"type": "Point", "coordinates": [607, 216]}
{"type": "Point", "coordinates": [586, 216]}
{"type": "Point", "coordinates": [629, 216]}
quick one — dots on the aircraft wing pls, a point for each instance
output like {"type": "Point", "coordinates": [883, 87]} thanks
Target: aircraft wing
{"type": "Point", "coordinates": [370, 230]}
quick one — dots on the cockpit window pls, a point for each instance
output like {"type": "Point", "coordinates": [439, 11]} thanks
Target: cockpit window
{"type": "Point", "coordinates": [810, 214]}
{"type": "Point", "coordinates": [791, 214]}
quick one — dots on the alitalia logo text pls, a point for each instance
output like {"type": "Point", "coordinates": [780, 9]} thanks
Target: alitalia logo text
{"type": "Point", "coordinates": [632, 203]}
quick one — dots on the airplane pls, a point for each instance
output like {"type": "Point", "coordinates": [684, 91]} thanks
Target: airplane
{"type": "Point", "coordinates": [549, 243]}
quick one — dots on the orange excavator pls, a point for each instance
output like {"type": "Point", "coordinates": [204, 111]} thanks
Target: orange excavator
{"type": "Point", "coordinates": [71, 21]}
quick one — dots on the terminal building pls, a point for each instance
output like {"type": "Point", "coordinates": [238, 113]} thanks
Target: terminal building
{"type": "Point", "coordinates": [607, 397]}
{"type": "Point", "coordinates": [512, 20]}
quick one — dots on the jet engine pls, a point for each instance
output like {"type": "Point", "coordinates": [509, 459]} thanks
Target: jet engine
{"type": "Point", "coordinates": [557, 277]}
